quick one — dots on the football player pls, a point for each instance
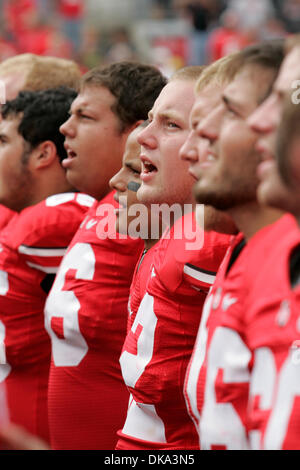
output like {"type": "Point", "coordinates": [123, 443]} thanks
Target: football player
{"type": "Point", "coordinates": [86, 311]}
{"type": "Point", "coordinates": [34, 184]}
{"type": "Point", "coordinates": [33, 72]}
{"type": "Point", "coordinates": [273, 312]}
{"type": "Point", "coordinates": [158, 346]}
{"type": "Point", "coordinates": [217, 383]}
{"type": "Point", "coordinates": [126, 184]}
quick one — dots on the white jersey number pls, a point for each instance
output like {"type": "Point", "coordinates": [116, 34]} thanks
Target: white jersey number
{"type": "Point", "coordinates": [71, 347]}
{"type": "Point", "coordinates": [197, 362]}
{"type": "Point", "coordinates": [5, 368]}
{"type": "Point", "coordinates": [143, 329]}
{"type": "Point", "coordinates": [220, 424]}
{"type": "Point", "coordinates": [277, 392]}
{"type": "Point", "coordinates": [142, 421]}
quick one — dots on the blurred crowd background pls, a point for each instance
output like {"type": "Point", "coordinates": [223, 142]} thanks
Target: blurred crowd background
{"type": "Point", "coordinates": [166, 33]}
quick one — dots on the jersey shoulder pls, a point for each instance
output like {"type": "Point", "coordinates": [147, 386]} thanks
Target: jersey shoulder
{"type": "Point", "coordinates": [188, 253]}
{"type": "Point", "coordinates": [52, 222]}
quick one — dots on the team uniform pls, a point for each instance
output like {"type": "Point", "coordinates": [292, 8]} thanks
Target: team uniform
{"type": "Point", "coordinates": [31, 248]}
{"type": "Point", "coordinates": [158, 346]}
{"type": "Point", "coordinates": [273, 333]}
{"type": "Point", "coordinates": [86, 317]}
{"type": "Point", "coordinates": [139, 284]}
{"type": "Point", "coordinates": [218, 376]}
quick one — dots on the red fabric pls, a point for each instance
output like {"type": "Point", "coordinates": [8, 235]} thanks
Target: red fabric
{"type": "Point", "coordinates": [169, 315]}
{"type": "Point", "coordinates": [219, 374]}
{"type": "Point", "coordinates": [71, 8]}
{"type": "Point", "coordinates": [31, 244]}
{"type": "Point", "coordinates": [87, 396]}
{"type": "Point", "coordinates": [223, 42]}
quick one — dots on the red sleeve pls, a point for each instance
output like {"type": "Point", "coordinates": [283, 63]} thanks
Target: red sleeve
{"type": "Point", "coordinates": [188, 256]}
{"type": "Point", "coordinates": [44, 231]}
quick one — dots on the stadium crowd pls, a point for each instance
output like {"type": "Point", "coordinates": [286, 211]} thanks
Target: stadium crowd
{"type": "Point", "coordinates": [149, 253]}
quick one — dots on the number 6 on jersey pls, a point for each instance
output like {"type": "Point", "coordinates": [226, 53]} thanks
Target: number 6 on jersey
{"type": "Point", "coordinates": [61, 311]}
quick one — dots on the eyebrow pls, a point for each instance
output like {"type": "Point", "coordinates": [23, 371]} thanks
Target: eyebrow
{"type": "Point", "coordinates": [78, 107]}
{"type": "Point", "coordinates": [76, 110]}
{"type": "Point", "coordinates": [236, 106]}
{"type": "Point", "coordinates": [165, 115]}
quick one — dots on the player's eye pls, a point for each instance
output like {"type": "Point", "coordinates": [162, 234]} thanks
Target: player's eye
{"type": "Point", "coordinates": [135, 171]}
{"type": "Point", "coordinates": [172, 125]}
{"type": "Point", "coordinates": [85, 116]}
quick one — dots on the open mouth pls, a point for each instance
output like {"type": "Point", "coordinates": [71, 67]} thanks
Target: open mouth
{"type": "Point", "coordinates": [148, 170]}
{"type": "Point", "coordinates": [67, 162]}
{"type": "Point", "coordinates": [207, 158]}
{"type": "Point", "coordinates": [71, 154]}
{"type": "Point", "coordinates": [148, 167]}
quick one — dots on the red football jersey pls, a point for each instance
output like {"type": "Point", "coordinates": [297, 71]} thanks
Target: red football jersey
{"type": "Point", "coordinates": [217, 381]}
{"type": "Point", "coordinates": [139, 284]}
{"type": "Point", "coordinates": [273, 333]}
{"type": "Point", "coordinates": [86, 317]}
{"type": "Point", "coordinates": [31, 248]}
{"type": "Point", "coordinates": [158, 347]}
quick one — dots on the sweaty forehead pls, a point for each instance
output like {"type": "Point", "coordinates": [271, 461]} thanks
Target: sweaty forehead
{"type": "Point", "coordinates": [95, 97]}
{"type": "Point", "coordinates": [10, 124]}
{"type": "Point", "coordinates": [175, 96]}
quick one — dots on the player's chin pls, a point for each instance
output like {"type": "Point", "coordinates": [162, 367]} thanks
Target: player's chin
{"type": "Point", "coordinates": [147, 194]}
{"type": "Point", "coordinates": [266, 193]}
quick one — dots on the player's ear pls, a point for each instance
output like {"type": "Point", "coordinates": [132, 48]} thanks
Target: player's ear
{"type": "Point", "coordinates": [44, 154]}
{"type": "Point", "coordinates": [136, 124]}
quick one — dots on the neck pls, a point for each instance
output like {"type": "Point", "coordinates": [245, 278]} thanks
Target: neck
{"type": "Point", "coordinates": [183, 209]}
{"type": "Point", "coordinates": [150, 243]}
{"type": "Point", "coordinates": [46, 188]}
{"type": "Point", "coordinates": [251, 218]}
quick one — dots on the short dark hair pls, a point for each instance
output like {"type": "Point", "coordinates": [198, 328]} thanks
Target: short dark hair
{"type": "Point", "coordinates": [134, 85]}
{"type": "Point", "coordinates": [42, 114]}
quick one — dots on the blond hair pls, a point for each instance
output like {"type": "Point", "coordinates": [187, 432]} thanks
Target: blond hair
{"type": "Point", "coordinates": [41, 72]}
{"type": "Point", "coordinates": [219, 72]}
{"type": "Point", "coordinates": [190, 72]}
{"type": "Point", "coordinates": [291, 42]}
